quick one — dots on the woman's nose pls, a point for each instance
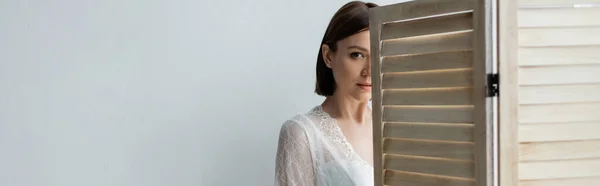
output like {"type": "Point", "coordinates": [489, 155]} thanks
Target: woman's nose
{"type": "Point", "coordinates": [367, 69]}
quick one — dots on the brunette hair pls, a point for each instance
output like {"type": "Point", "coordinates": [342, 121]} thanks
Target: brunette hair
{"type": "Point", "coordinates": [350, 19]}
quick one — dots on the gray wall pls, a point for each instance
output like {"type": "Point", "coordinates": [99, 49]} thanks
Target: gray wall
{"type": "Point", "coordinates": [152, 92]}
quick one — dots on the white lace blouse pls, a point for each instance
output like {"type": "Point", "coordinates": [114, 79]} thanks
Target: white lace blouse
{"type": "Point", "coordinates": [313, 151]}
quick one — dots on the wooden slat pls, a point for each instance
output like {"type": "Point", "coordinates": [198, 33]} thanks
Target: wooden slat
{"type": "Point", "coordinates": [576, 55]}
{"type": "Point", "coordinates": [556, 75]}
{"type": "Point", "coordinates": [434, 149]}
{"type": "Point", "coordinates": [563, 150]}
{"type": "Point", "coordinates": [423, 131]}
{"type": "Point", "coordinates": [435, 25]}
{"type": "Point", "coordinates": [562, 17]}
{"type": "Point", "coordinates": [559, 132]}
{"type": "Point", "coordinates": [422, 8]}
{"type": "Point", "coordinates": [455, 168]}
{"type": "Point", "coordinates": [460, 41]}
{"type": "Point", "coordinates": [445, 96]}
{"type": "Point", "coordinates": [578, 93]}
{"type": "Point", "coordinates": [433, 61]}
{"type": "Point", "coordinates": [554, 2]}
{"type": "Point", "coordinates": [559, 113]}
{"type": "Point", "coordinates": [415, 179]}
{"type": "Point", "coordinates": [586, 181]}
{"type": "Point", "coordinates": [559, 169]}
{"type": "Point", "coordinates": [375, 34]}
{"type": "Point", "coordinates": [568, 36]}
{"type": "Point", "coordinates": [428, 114]}
{"type": "Point", "coordinates": [507, 143]}
{"type": "Point", "coordinates": [437, 79]}
{"type": "Point", "coordinates": [484, 52]}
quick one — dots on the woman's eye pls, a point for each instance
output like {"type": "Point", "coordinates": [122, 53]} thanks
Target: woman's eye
{"type": "Point", "coordinates": [356, 55]}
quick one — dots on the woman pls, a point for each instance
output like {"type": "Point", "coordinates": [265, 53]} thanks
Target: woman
{"type": "Point", "coordinates": [332, 143]}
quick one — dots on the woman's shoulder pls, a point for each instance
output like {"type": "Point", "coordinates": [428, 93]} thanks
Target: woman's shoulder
{"type": "Point", "coordinates": [302, 122]}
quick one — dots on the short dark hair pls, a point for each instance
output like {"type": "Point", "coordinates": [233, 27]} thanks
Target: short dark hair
{"type": "Point", "coordinates": [350, 19]}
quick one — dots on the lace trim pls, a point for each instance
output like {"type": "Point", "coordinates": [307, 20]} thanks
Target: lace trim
{"type": "Point", "coordinates": [331, 128]}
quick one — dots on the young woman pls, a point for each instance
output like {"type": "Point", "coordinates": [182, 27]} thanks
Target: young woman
{"type": "Point", "coordinates": [332, 143]}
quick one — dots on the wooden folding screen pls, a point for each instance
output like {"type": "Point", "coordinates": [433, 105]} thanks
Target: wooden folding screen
{"type": "Point", "coordinates": [434, 78]}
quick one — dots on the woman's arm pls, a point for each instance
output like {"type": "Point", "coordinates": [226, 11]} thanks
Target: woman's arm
{"type": "Point", "coordinates": [294, 164]}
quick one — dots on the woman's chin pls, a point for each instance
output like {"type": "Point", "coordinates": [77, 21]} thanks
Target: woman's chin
{"type": "Point", "coordinates": [363, 97]}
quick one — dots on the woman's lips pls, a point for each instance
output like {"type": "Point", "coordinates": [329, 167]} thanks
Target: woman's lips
{"type": "Point", "coordinates": [366, 87]}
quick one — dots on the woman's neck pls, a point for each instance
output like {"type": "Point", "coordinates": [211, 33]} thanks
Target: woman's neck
{"type": "Point", "coordinates": [347, 108]}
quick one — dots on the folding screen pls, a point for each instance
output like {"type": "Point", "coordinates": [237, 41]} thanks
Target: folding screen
{"type": "Point", "coordinates": [434, 80]}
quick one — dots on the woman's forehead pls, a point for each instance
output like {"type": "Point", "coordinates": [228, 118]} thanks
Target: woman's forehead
{"type": "Point", "coordinates": [361, 39]}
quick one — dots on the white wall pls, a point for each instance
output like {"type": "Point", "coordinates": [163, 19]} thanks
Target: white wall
{"type": "Point", "coordinates": [152, 92]}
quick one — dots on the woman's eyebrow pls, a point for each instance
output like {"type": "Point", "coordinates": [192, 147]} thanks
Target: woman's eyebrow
{"type": "Point", "coordinates": [358, 47]}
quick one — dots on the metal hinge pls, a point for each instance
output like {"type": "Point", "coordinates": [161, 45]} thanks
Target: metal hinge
{"type": "Point", "coordinates": [493, 85]}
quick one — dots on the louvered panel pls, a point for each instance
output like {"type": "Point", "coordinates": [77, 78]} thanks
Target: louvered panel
{"type": "Point", "coordinates": [444, 24]}
{"type": "Point", "coordinates": [415, 179]}
{"type": "Point", "coordinates": [559, 93]}
{"type": "Point", "coordinates": [534, 3]}
{"type": "Point", "coordinates": [575, 93]}
{"type": "Point", "coordinates": [557, 75]}
{"type": "Point", "coordinates": [424, 95]}
{"type": "Point", "coordinates": [430, 79]}
{"type": "Point", "coordinates": [429, 61]}
{"type": "Point", "coordinates": [559, 169]}
{"type": "Point", "coordinates": [559, 150]}
{"type": "Point", "coordinates": [441, 96]}
{"type": "Point", "coordinates": [428, 44]}
{"type": "Point", "coordinates": [559, 113]}
{"type": "Point", "coordinates": [573, 17]}
{"type": "Point", "coordinates": [429, 131]}
{"type": "Point", "coordinates": [432, 149]}
{"type": "Point", "coordinates": [559, 131]}
{"type": "Point", "coordinates": [569, 36]}
{"type": "Point", "coordinates": [585, 181]}
{"type": "Point", "coordinates": [435, 114]}
{"type": "Point", "coordinates": [546, 56]}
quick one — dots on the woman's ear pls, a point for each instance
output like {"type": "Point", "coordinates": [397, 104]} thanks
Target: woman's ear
{"type": "Point", "coordinates": [327, 53]}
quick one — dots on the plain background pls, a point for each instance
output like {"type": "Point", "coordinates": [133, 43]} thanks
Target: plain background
{"type": "Point", "coordinates": [153, 92]}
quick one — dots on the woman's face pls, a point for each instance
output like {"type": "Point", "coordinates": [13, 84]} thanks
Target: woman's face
{"type": "Point", "coordinates": [351, 66]}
